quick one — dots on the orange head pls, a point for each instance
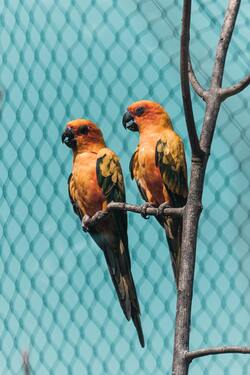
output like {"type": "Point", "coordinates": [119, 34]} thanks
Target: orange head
{"type": "Point", "coordinates": [82, 135]}
{"type": "Point", "coordinates": [146, 115]}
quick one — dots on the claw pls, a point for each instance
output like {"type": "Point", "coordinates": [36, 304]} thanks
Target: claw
{"type": "Point", "coordinates": [162, 207]}
{"type": "Point", "coordinates": [84, 223]}
{"type": "Point", "coordinates": [144, 210]}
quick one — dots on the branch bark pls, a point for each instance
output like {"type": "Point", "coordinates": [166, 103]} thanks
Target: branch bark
{"type": "Point", "coordinates": [151, 211]}
{"type": "Point", "coordinates": [214, 100]}
{"type": "Point", "coordinates": [195, 83]}
{"type": "Point", "coordinates": [26, 365]}
{"type": "Point", "coordinates": [185, 88]}
{"type": "Point", "coordinates": [235, 89]}
{"type": "Point", "coordinates": [220, 350]}
{"type": "Point", "coordinates": [223, 44]}
{"type": "Point", "coordinates": [187, 266]}
{"type": "Point", "coordinates": [200, 155]}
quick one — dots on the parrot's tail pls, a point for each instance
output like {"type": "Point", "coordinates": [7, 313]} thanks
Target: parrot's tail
{"type": "Point", "coordinates": [125, 289]}
{"type": "Point", "coordinates": [131, 306]}
{"type": "Point", "coordinates": [173, 229]}
{"type": "Point", "coordinates": [175, 249]}
{"type": "Point", "coordinates": [137, 323]}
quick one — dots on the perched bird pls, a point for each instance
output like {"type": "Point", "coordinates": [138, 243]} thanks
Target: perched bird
{"type": "Point", "coordinates": [159, 167]}
{"type": "Point", "coordinates": [95, 181]}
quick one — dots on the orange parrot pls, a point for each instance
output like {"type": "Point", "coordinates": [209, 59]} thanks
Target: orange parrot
{"type": "Point", "coordinates": [159, 167]}
{"type": "Point", "coordinates": [95, 181]}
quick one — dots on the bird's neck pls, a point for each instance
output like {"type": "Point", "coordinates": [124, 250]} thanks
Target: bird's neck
{"type": "Point", "coordinates": [154, 130]}
{"type": "Point", "coordinates": [154, 124]}
{"type": "Point", "coordinates": [89, 147]}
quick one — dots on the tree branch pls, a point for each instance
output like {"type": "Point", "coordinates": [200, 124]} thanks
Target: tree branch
{"type": "Point", "coordinates": [26, 365]}
{"type": "Point", "coordinates": [192, 211]}
{"type": "Point", "coordinates": [185, 88]}
{"type": "Point", "coordinates": [195, 83]}
{"type": "Point", "coordinates": [220, 350]}
{"type": "Point", "coordinates": [235, 89]}
{"type": "Point", "coordinates": [114, 206]}
{"type": "Point", "coordinates": [225, 38]}
{"type": "Point", "coordinates": [214, 101]}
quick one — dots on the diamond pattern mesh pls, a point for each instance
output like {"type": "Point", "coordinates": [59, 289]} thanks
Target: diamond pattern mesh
{"type": "Point", "coordinates": [92, 58]}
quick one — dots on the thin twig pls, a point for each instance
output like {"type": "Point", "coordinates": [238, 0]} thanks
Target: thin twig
{"type": "Point", "coordinates": [235, 89]}
{"type": "Point", "coordinates": [219, 350]}
{"type": "Point", "coordinates": [26, 365]}
{"type": "Point", "coordinates": [225, 38]}
{"type": "Point", "coordinates": [185, 88]}
{"type": "Point", "coordinates": [151, 211]}
{"type": "Point", "coordinates": [214, 102]}
{"type": "Point", "coordinates": [195, 83]}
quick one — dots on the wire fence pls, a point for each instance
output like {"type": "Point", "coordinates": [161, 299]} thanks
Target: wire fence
{"type": "Point", "coordinates": [92, 58]}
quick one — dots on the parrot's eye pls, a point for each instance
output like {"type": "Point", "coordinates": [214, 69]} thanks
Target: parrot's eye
{"type": "Point", "coordinates": [83, 130]}
{"type": "Point", "coordinates": [139, 111]}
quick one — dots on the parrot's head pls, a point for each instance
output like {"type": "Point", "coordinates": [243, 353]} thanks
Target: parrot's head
{"type": "Point", "coordinates": [146, 115]}
{"type": "Point", "coordinates": [82, 134]}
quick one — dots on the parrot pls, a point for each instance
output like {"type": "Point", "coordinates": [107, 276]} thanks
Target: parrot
{"type": "Point", "coordinates": [95, 181]}
{"type": "Point", "coordinates": [158, 166]}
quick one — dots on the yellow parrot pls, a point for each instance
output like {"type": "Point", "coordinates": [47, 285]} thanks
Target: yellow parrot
{"type": "Point", "coordinates": [158, 166]}
{"type": "Point", "coordinates": [95, 181]}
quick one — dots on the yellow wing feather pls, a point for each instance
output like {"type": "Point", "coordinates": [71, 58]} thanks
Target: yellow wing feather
{"type": "Point", "coordinates": [170, 158]}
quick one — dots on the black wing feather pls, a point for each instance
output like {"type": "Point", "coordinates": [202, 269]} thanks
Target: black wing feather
{"type": "Point", "coordinates": [110, 179]}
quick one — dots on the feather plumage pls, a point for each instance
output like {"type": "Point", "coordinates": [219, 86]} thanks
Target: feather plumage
{"type": "Point", "coordinates": [158, 166]}
{"type": "Point", "coordinates": [95, 181]}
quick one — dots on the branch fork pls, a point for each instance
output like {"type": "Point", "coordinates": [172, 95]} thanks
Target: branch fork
{"type": "Point", "coordinates": [200, 148]}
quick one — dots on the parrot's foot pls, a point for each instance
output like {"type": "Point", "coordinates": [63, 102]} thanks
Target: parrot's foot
{"type": "Point", "coordinates": [162, 207]}
{"type": "Point", "coordinates": [84, 223]}
{"type": "Point", "coordinates": [144, 208]}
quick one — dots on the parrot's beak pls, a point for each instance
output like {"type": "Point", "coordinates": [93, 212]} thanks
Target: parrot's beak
{"type": "Point", "coordinates": [129, 123]}
{"type": "Point", "coordinates": [68, 138]}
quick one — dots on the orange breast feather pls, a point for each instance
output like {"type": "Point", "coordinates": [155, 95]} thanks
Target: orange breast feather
{"type": "Point", "coordinates": [89, 195]}
{"type": "Point", "coordinates": [148, 174]}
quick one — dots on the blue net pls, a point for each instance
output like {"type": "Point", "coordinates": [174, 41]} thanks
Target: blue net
{"type": "Point", "coordinates": [92, 58]}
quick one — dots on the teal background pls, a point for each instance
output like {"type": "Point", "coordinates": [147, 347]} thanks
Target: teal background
{"type": "Point", "coordinates": [92, 58]}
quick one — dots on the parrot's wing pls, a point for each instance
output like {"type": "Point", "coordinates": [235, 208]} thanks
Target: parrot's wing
{"type": "Point", "coordinates": [71, 191]}
{"type": "Point", "coordinates": [110, 179]}
{"type": "Point", "coordinates": [115, 244]}
{"type": "Point", "coordinates": [170, 158]}
{"type": "Point", "coordinates": [134, 173]}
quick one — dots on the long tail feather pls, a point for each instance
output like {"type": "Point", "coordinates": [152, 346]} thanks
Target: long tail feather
{"type": "Point", "coordinates": [137, 323]}
{"type": "Point", "coordinates": [173, 230]}
{"type": "Point", "coordinates": [174, 244]}
{"type": "Point", "coordinates": [126, 293]}
{"type": "Point", "coordinates": [118, 260]}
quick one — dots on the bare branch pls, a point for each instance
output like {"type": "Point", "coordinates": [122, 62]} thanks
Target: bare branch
{"type": "Point", "coordinates": [195, 83]}
{"type": "Point", "coordinates": [225, 38]}
{"type": "Point", "coordinates": [114, 206]}
{"type": "Point", "coordinates": [26, 365]}
{"type": "Point", "coordinates": [235, 89]}
{"type": "Point", "coordinates": [192, 211]}
{"type": "Point", "coordinates": [213, 104]}
{"type": "Point", "coordinates": [185, 88]}
{"type": "Point", "coordinates": [220, 350]}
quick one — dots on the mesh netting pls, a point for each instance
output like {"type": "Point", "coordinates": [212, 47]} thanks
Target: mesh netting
{"type": "Point", "coordinates": [68, 59]}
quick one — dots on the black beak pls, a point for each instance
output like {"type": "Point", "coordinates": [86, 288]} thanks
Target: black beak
{"type": "Point", "coordinates": [68, 138]}
{"type": "Point", "coordinates": [129, 123]}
